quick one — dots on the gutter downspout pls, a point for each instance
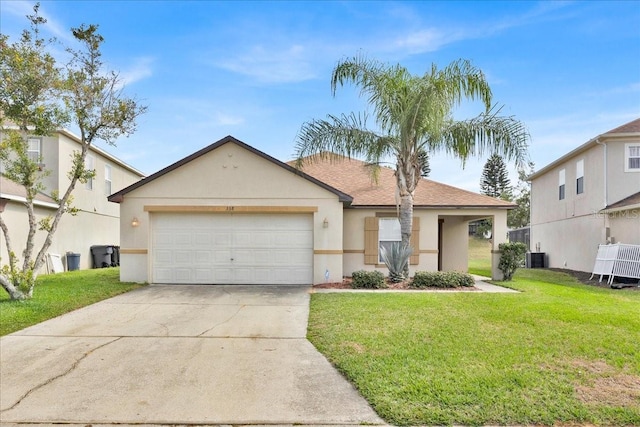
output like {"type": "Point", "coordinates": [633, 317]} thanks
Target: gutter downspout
{"type": "Point", "coordinates": [606, 196]}
{"type": "Point", "coordinates": [606, 188]}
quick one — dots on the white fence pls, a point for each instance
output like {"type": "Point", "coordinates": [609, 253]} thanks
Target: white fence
{"type": "Point", "coordinates": [617, 260]}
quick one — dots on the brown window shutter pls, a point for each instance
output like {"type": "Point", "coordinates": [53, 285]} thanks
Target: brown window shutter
{"type": "Point", "coordinates": [415, 241]}
{"type": "Point", "coordinates": [371, 240]}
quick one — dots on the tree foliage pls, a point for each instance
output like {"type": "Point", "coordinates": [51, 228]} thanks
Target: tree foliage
{"type": "Point", "coordinates": [413, 115]}
{"type": "Point", "coordinates": [495, 181]}
{"type": "Point", "coordinates": [520, 216]}
{"type": "Point", "coordinates": [37, 97]}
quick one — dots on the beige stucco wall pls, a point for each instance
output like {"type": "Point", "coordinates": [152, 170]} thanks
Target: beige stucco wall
{"type": "Point", "coordinates": [625, 226]}
{"type": "Point", "coordinates": [230, 176]}
{"type": "Point", "coordinates": [621, 183]}
{"type": "Point", "coordinates": [455, 239]}
{"type": "Point", "coordinates": [97, 222]}
{"type": "Point", "coordinates": [570, 230]}
{"type": "Point", "coordinates": [71, 236]}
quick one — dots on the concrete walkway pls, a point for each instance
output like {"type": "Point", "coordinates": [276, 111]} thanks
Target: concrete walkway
{"type": "Point", "coordinates": [177, 355]}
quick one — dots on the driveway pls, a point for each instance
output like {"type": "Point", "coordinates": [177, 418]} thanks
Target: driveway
{"type": "Point", "coordinates": [177, 355]}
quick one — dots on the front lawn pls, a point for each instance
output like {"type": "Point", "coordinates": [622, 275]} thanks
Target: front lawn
{"type": "Point", "coordinates": [559, 353]}
{"type": "Point", "coordinates": [56, 294]}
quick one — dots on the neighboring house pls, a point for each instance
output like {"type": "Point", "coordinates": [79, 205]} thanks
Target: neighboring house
{"type": "Point", "coordinates": [230, 214]}
{"type": "Point", "coordinates": [588, 197]}
{"type": "Point", "coordinates": [97, 222]}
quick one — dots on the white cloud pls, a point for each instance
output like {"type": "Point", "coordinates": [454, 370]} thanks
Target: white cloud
{"type": "Point", "coordinates": [140, 69]}
{"type": "Point", "coordinates": [224, 119]}
{"type": "Point", "coordinates": [288, 64]}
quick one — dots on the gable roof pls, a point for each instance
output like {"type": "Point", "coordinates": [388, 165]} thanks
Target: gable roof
{"type": "Point", "coordinates": [631, 129]}
{"type": "Point", "coordinates": [11, 190]}
{"type": "Point", "coordinates": [353, 177]}
{"type": "Point", "coordinates": [119, 196]}
{"type": "Point", "coordinates": [631, 202]}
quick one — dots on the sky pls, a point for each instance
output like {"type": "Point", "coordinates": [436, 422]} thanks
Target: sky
{"type": "Point", "coordinates": [569, 71]}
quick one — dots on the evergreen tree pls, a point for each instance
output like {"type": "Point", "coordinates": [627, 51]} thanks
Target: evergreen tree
{"type": "Point", "coordinates": [495, 179]}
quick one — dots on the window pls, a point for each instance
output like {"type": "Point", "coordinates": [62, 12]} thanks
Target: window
{"type": "Point", "coordinates": [580, 177]}
{"type": "Point", "coordinates": [632, 157]}
{"type": "Point", "coordinates": [107, 179]}
{"type": "Point", "coordinates": [561, 185]}
{"type": "Point", "coordinates": [34, 146]}
{"type": "Point", "coordinates": [388, 233]}
{"type": "Point", "coordinates": [381, 229]}
{"type": "Point", "coordinates": [89, 164]}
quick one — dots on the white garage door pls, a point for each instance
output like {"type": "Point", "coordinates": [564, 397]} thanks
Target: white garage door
{"type": "Point", "coordinates": [232, 248]}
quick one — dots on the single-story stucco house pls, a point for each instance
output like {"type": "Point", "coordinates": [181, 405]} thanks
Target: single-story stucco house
{"type": "Point", "coordinates": [231, 214]}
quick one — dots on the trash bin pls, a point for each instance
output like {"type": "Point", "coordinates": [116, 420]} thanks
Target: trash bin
{"type": "Point", "coordinates": [73, 261]}
{"type": "Point", "coordinates": [115, 256]}
{"type": "Point", "coordinates": [101, 255]}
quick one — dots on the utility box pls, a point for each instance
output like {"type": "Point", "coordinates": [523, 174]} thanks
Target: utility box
{"type": "Point", "coordinates": [73, 261]}
{"type": "Point", "coordinates": [536, 260]}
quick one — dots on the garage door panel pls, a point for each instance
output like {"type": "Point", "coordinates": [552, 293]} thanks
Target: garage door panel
{"type": "Point", "coordinates": [203, 238]}
{"type": "Point", "coordinates": [182, 257]}
{"type": "Point", "coordinates": [204, 275]}
{"type": "Point", "coordinates": [232, 248]}
{"type": "Point", "coordinates": [162, 257]}
{"type": "Point", "coordinates": [203, 257]}
{"type": "Point", "coordinates": [183, 275]}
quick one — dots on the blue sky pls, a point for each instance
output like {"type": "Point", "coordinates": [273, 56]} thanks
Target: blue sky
{"type": "Point", "coordinates": [258, 70]}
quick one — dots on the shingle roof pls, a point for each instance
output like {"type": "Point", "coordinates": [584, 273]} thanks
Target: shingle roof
{"type": "Point", "coordinates": [632, 200]}
{"type": "Point", "coordinates": [631, 127]}
{"type": "Point", "coordinates": [353, 177]}
{"type": "Point", "coordinates": [13, 190]}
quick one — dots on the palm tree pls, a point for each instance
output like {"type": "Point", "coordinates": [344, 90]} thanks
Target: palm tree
{"type": "Point", "coordinates": [413, 115]}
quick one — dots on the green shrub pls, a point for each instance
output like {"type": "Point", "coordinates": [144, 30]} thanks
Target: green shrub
{"type": "Point", "coordinates": [362, 279]}
{"type": "Point", "coordinates": [511, 257]}
{"type": "Point", "coordinates": [441, 279]}
{"type": "Point", "coordinates": [396, 258]}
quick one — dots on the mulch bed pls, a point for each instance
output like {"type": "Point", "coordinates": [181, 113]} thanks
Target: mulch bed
{"type": "Point", "coordinates": [579, 275]}
{"type": "Point", "coordinates": [402, 286]}
{"type": "Point", "coordinates": [584, 277]}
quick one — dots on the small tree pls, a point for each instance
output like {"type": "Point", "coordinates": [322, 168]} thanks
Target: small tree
{"type": "Point", "coordinates": [520, 216]}
{"type": "Point", "coordinates": [511, 258]}
{"type": "Point", "coordinates": [31, 86]}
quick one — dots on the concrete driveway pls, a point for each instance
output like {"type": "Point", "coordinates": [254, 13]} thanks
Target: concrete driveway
{"type": "Point", "coordinates": [177, 355]}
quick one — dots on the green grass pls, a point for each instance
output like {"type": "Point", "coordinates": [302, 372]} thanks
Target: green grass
{"type": "Point", "coordinates": [558, 353]}
{"type": "Point", "coordinates": [56, 294]}
{"type": "Point", "coordinates": [479, 256]}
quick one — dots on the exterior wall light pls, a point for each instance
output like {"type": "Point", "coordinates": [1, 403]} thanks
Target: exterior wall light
{"type": "Point", "coordinates": [135, 222]}
{"type": "Point", "coordinates": [325, 223]}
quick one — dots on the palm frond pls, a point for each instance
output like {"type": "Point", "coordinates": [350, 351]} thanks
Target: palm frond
{"type": "Point", "coordinates": [346, 135]}
{"type": "Point", "coordinates": [487, 133]}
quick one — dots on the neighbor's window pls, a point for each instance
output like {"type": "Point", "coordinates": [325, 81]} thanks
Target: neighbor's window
{"type": "Point", "coordinates": [580, 177]}
{"type": "Point", "coordinates": [388, 233]}
{"type": "Point", "coordinates": [89, 164]}
{"type": "Point", "coordinates": [632, 157]}
{"type": "Point", "coordinates": [34, 146]}
{"type": "Point", "coordinates": [107, 179]}
{"type": "Point", "coordinates": [561, 185]}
